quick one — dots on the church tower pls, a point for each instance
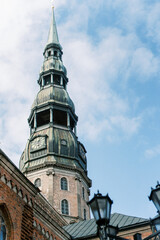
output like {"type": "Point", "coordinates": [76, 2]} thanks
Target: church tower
{"type": "Point", "coordinates": [54, 160]}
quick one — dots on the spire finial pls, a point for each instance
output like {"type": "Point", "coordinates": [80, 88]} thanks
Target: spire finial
{"type": "Point", "coordinates": [52, 2]}
{"type": "Point", "coordinates": [53, 34]}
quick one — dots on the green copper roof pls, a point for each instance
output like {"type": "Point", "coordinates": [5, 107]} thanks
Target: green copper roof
{"type": "Point", "coordinates": [53, 34]}
{"type": "Point", "coordinates": [54, 94]}
{"type": "Point", "coordinates": [88, 228]}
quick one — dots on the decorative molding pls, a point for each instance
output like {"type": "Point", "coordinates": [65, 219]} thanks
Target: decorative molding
{"type": "Point", "coordinates": [50, 172]}
{"type": "Point", "coordinates": [42, 231]}
{"type": "Point", "coordinates": [4, 179]}
{"type": "Point", "coordinates": [9, 184]}
{"type": "Point", "coordinates": [78, 178]}
{"type": "Point", "coordinates": [17, 190]}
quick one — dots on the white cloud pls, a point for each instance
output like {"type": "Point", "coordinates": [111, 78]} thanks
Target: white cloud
{"type": "Point", "coordinates": [144, 65]}
{"type": "Point", "coordinates": [153, 23]}
{"type": "Point", "coordinates": [153, 152]}
{"type": "Point", "coordinates": [94, 68]}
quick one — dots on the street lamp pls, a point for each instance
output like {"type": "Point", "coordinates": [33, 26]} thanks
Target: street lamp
{"type": "Point", "coordinates": [101, 209]}
{"type": "Point", "coordinates": [155, 196]}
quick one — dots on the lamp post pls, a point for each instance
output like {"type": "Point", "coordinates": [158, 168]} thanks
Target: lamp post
{"type": "Point", "coordinates": [155, 198]}
{"type": "Point", "coordinates": [155, 222]}
{"type": "Point", "coordinates": [101, 209]}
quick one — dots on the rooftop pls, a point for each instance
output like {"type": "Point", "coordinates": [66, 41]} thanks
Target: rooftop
{"type": "Point", "coordinates": [88, 228]}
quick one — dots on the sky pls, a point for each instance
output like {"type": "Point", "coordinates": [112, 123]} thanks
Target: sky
{"type": "Point", "coordinates": [112, 55]}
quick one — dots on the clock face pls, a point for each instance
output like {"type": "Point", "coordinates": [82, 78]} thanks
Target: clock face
{"type": "Point", "coordinates": [38, 143]}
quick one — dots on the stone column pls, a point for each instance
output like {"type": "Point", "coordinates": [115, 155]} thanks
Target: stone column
{"type": "Point", "coordinates": [61, 82]}
{"type": "Point", "coordinates": [42, 81]}
{"type": "Point", "coordinates": [35, 120]}
{"type": "Point", "coordinates": [75, 130]}
{"type": "Point", "coordinates": [51, 115]}
{"type": "Point", "coordinates": [68, 120]}
{"type": "Point", "coordinates": [51, 78]}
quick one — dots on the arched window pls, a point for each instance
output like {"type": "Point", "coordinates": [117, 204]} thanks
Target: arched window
{"type": "Point", "coordinates": [64, 207]}
{"type": "Point", "coordinates": [3, 233]}
{"type": "Point", "coordinates": [37, 182]}
{"type": "Point", "coordinates": [64, 184]}
{"type": "Point", "coordinates": [83, 194]}
{"type": "Point", "coordinates": [84, 213]}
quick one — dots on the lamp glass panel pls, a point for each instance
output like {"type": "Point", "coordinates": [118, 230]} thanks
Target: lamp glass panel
{"type": "Point", "coordinates": [156, 223]}
{"type": "Point", "coordinates": [102, 204]}
{"type": "Point", "coordinates": [112, 230]}
{"type": "Point", "coordinates": [94, 209]}
{"type": "Point", "coordinates": [108, 209]}
{"type": "Point", "coordinates": [156, 198]}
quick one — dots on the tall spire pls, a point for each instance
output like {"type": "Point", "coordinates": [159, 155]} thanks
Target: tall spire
{"type": "Point", "coordinates": [53, 154]}
{"type": "Point", "coordinates": [53, 34]}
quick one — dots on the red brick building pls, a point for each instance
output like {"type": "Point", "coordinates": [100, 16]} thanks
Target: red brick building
{"type": "Point", "coordinates": [25, 212]}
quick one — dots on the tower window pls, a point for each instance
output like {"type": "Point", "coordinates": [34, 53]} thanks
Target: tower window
{"type": "Point", "coordinates": [64, 148]}
{"type": "Point", "coordinates": [64, 84]}
{"type": "Point", "coordinates": [37, 182]}
{"type": "Point", "coordinates": [83, 193]}
{"type": "Point", "coordinates": [63, 142]}
{"type": "Point", "coordinates": [64, 184]}
{"type": "Point", "coordinates": [72, 124]}
{"type": "Point", "coordinates": [64, 207]}
{"type": "Point", "coordinates": [3, 233]}
{"type": "Point", "coordinates": [43, 118]}
{"type": "Point", "coordinates": [49, 53]}
{"type": "Point", "coordinates": [32, 123]}
{"type": "Point", "coordinates": [57, 79]}
{"type": "Point", "coordinates": [47, 80]}
{"type": "Point", "coordinates": [84, 214]}
{"type": "Point", "coordinates": [60, 117]}
{"type": "Point", "coordinates": [55, 53]}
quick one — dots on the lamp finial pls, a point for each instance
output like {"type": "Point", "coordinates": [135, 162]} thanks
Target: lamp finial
{"type": "Point", "coordinates": [158, 185]}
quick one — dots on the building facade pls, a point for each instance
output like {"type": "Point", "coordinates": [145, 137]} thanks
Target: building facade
{"type": "Point", "coordinates": [54, 160]}
{"type": "Point", "coordinates": [24, 213]}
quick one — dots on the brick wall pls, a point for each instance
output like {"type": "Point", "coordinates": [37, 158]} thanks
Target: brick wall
{"type": "Point", "coordinates": [26, 212]}
{"type": "Point", "coordinates": [51, 189]}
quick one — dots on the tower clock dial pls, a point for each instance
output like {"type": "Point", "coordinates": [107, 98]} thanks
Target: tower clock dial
{"type": "Point", "coordinates": [38, 143]}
